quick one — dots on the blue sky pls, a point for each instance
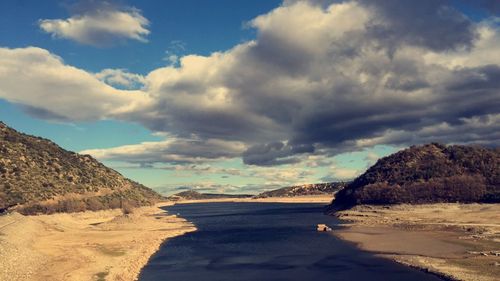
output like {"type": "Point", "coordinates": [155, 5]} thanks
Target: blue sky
{"type": "Point", "coordinates": [203, 27]}
{"type": "Point", "coordinates": [243, 96]}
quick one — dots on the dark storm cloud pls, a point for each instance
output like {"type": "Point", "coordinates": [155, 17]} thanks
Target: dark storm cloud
{"type": "Point", "coordinates": [429, 23]}
{"type": "Point", "coordinates": [484, 78]}
{"type": "Point", "coordinates": [340, 77]}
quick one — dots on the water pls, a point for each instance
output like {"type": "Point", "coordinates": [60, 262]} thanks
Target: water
{"type": "Point", "coordinates": [265, 241]}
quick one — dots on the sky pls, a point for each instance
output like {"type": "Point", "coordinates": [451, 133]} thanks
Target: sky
{"type": "Point", "coordinates": [246, 96]}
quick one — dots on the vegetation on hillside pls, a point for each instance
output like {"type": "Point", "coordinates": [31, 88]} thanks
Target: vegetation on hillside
{"type": "Point", "coordinates": [38, 176]}
{"type": "Point", "coordinates": [427, 174]}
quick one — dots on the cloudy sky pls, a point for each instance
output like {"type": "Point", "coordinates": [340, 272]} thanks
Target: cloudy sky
{"type": "Point", "coordinates": [244, 96]}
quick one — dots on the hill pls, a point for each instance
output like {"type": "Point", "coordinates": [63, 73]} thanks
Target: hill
{"type": "Point", "coordinates": [427, 174]}
{"type": "Point", "coordinates": [38, 176]}
{"type": "Point", "coordinates": [194, 195]}
{"type": "Point", "coordinates": [303, 190]}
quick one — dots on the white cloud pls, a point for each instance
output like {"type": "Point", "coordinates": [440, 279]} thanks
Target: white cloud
{"type": "Point", "coordinates": [101, 27]}
{"type": "Point", "coordinates": [50, 89]}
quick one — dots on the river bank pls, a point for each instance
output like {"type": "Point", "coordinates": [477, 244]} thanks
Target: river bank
{"type": "Point", "coordinates": [458, 241]}
{"type": "Point", "coordinates": [103, 245]}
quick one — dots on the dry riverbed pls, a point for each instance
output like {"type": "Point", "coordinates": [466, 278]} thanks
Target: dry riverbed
{"type": "Point", "coordinates": [104, 245]}
{"type": "Point", "coordinates": [459, 241]}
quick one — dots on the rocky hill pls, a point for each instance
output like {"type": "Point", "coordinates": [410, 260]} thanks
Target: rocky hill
{"type": "Point", "coordinates": [194, 195]}
{"type": "Point", "coordinates": [303, 190]}
{"type": "Point", "coordinates": [38, 176]}
{"type": "Point", "coordinates": [427, 174]}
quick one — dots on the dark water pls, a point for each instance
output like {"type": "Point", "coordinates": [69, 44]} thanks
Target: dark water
{"type": "Point", "coordinates": [265, 241]}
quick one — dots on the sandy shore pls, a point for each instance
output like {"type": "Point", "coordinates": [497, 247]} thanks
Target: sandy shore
{"type": "Point", "coordinates": [104, 245]}
{"type": "Point", "coordinates": [297, 199]}
{"type": "Point", "coordinates": [458, 241]}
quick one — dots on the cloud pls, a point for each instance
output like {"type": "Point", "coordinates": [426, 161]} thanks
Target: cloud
{"type": "Point", "coordinates": [204, 169]}
{"type": "Point", "coordinates": [340, 81]}
{"type": "Point", "coordinates": [432, 24]}
{"type": "Point", "coordinates": [475, 130]}
{"type": "Point", "coordinates": [49, 89]}
{"type": "Point", "coordinates": [320, 77]}
{"type": "Point", "coordinates": [345, 173]}
{"type": "Point", "coordinates": [275, 153]}
{"type": "Point", "coordinates": [482, 54]}
{"type": "Point", "coordinates": [279, 176]}
{"type": "Point", "coordinates": [121, 78]}
{"type": "Point", "coordinates": [341, 174]}
{"type": "Point", "coordinates": [172, 150]}
{"type": "Point", "coordinates": [103, 26]}
{"type": "Point", "coordinates": [175, 49]}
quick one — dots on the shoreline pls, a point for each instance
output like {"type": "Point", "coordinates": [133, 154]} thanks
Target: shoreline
{"type": "Point", "coordinates": [451, 241]}
{"type": "Point", "coordinates": [102, 245]}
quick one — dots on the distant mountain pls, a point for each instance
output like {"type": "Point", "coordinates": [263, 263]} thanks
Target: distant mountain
{"type": "Point", "coordinates": [194, 195]}
{"type": "Point", "coordinates": [302, 190]}
{"type": "Point", "coordinates": [427, 174]}
{"type": "Point", "coordinates": [38, 176]}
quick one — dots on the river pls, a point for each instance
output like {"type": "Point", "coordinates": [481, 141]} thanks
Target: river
{"type": "Point", "coordinates": [264, 242]}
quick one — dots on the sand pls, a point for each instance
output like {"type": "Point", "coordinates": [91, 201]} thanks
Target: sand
{"type": "Point", "coordinates": [457, 241]}
{"type": "Point", "coordinates": [104, 245]}
{"type": "Point", "coordinates": [323, 199]}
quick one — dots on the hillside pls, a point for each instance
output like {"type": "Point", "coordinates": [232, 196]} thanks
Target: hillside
{"type": "Point", "coordinates": [427, 174]}
{"type": "Point", "coordinates": [194, 195]}
{"type": "Point", "coordinates": [304, 190]}
{"type": "Point", "coordinates": [38, 176]}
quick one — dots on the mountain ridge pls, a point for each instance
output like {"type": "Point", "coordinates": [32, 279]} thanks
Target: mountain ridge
{"type": "Point", "coordinates": [328, 188]}
{"type": "Point", "coordinates": [38, 176]}
{"type": "Point", "coordinates": [431, 173]}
